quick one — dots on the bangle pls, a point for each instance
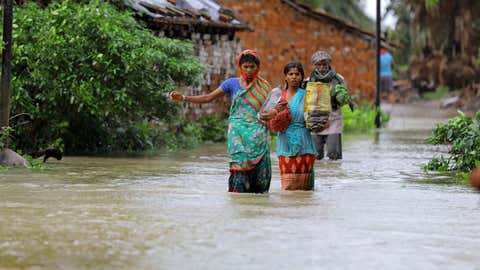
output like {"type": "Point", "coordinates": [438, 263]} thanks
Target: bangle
{"type": "Point", "coordinates": [184, 98]}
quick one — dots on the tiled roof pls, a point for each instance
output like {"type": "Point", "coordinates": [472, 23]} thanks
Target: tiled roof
{"type": "Point", "coordinates": [195, 12]}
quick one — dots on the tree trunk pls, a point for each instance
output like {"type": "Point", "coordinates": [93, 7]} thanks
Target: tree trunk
{"type": "Point", "coordinates": [6, 62]}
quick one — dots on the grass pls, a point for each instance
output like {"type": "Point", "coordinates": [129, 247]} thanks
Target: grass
{"type": "Point", "coordinates": [440, 93]}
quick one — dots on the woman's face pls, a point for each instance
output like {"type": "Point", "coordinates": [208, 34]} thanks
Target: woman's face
{"type": "Point", "coordinates": [322, 66]}
{"type": "Point", "coordinates": [248, 68]}
{"type": "Point", "coordinates": [294, 77]}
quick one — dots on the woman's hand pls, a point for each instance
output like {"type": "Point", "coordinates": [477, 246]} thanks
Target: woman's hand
{"type": "Point", "coordinates": [281, 105]}
{"type": "Point", "coordinates": [175, 96]}
{"type": "Point", "coordinates": [268, 115]}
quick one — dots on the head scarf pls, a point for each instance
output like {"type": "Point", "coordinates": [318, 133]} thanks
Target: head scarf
{"type": "Point", "coordinates": [321, 55]}
{"type": "Point", "coordinates": [254, 54]}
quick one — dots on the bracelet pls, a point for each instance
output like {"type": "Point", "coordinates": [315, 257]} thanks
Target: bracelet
{"type": "Point", "coordinates": [184, 98]}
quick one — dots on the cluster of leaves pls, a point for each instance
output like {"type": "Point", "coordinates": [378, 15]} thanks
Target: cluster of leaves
{"type": "Point", "coordinates": [439, 93]}
{"type": "Point", "coordinates": [362, 119]}
{"type": "Point", "coordinates": [214, 128]}
{"type": "Point", "coordinates": [350, 10]}
{"type": "Point", "coordinates": [462, 133]}
{"type": "Point", "coordinates": [94, 78]}
{"type": "Point", "coordinates": [430, 3]}
{"type": "Point", "coordinates": [4, 136]}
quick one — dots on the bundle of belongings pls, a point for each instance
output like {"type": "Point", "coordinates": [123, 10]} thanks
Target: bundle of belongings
{"type": "Point", "coordinates": [281, 121]}
{"type": "Point", "coordinates": [276, 99]}
{"type": "Point", "coordinates": [321, 98]}
{"type": "Point", "coordinates": [317, 106]}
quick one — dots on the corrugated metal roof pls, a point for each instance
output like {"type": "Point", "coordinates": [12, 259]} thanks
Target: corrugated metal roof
{"type": "Point", "coordinates": [193, 11]}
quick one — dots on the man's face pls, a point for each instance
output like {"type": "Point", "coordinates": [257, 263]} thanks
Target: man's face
{"type": "Point", "coordinates": [249, 68]}
{"type": "Point", "coordinates": [322, 66]}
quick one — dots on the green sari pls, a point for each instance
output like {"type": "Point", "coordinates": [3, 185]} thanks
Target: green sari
{"type": "Point", "coordinates": [248, 144]}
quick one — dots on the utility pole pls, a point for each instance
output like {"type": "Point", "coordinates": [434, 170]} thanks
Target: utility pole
{"type": "Point", "coordinates": [377, 70]}
{"type": "Point", "coordinates": [6, 63]}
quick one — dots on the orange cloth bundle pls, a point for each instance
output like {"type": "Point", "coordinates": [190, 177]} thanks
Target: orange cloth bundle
{"type": "Point", "coordinates": [281, 121]}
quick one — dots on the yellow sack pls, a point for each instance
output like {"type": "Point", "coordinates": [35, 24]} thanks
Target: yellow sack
{"type": "Point", "coordinates": [318, 97]}
{"type": "Point", "coordinates": [318, 106]}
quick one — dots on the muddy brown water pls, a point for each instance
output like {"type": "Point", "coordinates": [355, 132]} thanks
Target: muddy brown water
{"type": "Point", "coordinates": [375, 209]}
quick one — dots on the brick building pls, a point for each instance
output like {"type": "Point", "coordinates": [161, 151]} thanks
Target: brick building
{"type": "Point", "coordinates": [212, 29]}
{"type": "Point", "coordinates": [280, 30]}
{"type": "Point", "coordinates": [285, 30]}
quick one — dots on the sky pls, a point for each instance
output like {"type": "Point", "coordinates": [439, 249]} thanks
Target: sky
{"type": "Point", "coordinates": [370, 7]}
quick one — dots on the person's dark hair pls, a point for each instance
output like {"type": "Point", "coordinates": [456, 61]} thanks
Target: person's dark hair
{"type": "Point", "coordinates": [249, 58]}
{"type": "Point", "coordinates": [297, 65]}
{"type": "Point", "coordinates": [291, 65]}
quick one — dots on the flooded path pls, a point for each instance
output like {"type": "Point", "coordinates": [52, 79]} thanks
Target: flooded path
{"type": "Point", "coordinates": [375, 209]}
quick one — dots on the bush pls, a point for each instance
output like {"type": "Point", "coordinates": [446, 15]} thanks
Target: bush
{"type": "Point", "coordinates": [462, 133]}
{"type": "Point", "coordinates": [362, 119]}
{"type": "Point", "coordinates": [89, 74]}
{"type": "Point", "coordinates": [214, 128]}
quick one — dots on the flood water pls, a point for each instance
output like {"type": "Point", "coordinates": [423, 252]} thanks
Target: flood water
{"type": "Point", "coordinates": [375, 209]}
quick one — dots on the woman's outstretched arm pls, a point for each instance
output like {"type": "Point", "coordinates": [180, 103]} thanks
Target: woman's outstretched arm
{"type": "Point", "coordinates": [175, 96]}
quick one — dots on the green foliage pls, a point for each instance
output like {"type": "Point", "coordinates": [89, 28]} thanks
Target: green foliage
{"type": "Point", "coordinates": [430, 3]}
{"type": "Point", "coordinates": [350, 10]}
{"type": "Point", "coordinates": [5, 134]}
{"type": "Point", "coordinates": [214, 128]}
{"type": "Point", "coordinates": [36, 164]}
{"type": "Point", "coordinates": [340, 94]}
{"type": "Point", "coordinates": [92, 77]}
{"type": "Point", "coordinates": [462, 133]}
{"type": "Point", "coordinates": [439, 93]}
{"type": "Point", "coordinates": [362, 119]}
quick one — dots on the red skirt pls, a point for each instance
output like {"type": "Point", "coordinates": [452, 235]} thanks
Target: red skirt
{"type": "Point", "coordinates": [296, 172]}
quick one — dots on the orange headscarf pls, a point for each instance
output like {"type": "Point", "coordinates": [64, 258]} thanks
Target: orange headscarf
{"type": "Point", "coordinates": [254, 54]}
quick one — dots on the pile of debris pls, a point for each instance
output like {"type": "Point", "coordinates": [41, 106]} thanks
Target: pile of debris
{"type": "Point", "coordinates": [469, 99]}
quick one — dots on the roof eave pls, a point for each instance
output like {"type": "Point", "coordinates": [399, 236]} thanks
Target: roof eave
{"type": "Point", "coordinates": [306, 10]}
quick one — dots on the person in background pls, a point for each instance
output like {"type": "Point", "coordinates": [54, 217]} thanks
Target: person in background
{"type": "Point", "coordinates": [332, 135]}
{"type": "Point", "coordinates": [250, 167]}
{"type": "Point", "coordinates": [295, 147]}
{"type": "Point", "coordinates": [387, 64]}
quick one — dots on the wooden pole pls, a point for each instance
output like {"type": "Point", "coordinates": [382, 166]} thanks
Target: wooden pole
{"type": "Point", "coordinates": [377, 77]}
{"type": "Point", "coordinates": [6, 63]}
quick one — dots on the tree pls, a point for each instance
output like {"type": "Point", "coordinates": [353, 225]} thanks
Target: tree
{"type": "Point", "coordinates": [350, 10]}
{"type": "Point", "coordinates": [93, 79]}
{"type": "Point", "coordinates": [6, 67]}
{"type": "Point", "coordinates": [442, 37]}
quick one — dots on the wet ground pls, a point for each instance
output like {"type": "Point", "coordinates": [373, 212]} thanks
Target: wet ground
{"type": "Point", "coordinates": [375, 209]}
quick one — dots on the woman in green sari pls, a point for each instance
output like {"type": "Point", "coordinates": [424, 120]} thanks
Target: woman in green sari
{"type": "Point", "coordinates": [250, 167]}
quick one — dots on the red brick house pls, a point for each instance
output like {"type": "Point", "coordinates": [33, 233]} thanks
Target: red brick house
{"type": "Point", "coordinates": [285, 30]}
{"type": "Point", "coordinates": [212, 29]}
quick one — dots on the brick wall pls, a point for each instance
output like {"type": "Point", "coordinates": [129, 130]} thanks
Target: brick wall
{"type": "Point", "coordinates": [283, 34]}
{"type": "Point", "coordinates": [217, 52]}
